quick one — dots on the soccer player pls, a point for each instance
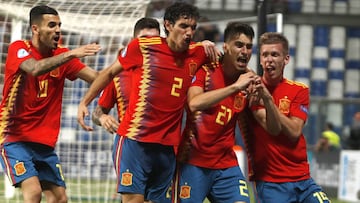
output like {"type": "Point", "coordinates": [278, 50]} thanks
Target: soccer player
{"type": "Point", "coordinates": [35, 72]}
{"type": "Point", "coordinates": [118, 91]}
{"type": "Point", "coordinates": [277, 146]}
{"type": "Point", "coordinates": [162, 70]}
{"type": "Point", "coordinates": [215, 100]}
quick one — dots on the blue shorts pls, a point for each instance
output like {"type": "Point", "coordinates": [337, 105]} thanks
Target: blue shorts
{"type": "Point", "coordinates": [306, 191]}
{"type": "Point", "coordinates": [22, 160]}
{"type": "Point", "coordinates": [194, 184]}
{"type": "Point", "coordinates": [144, 168]}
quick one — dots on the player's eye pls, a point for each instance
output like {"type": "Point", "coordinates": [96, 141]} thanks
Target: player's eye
{"type": "Point", "coordinates": [242, 44]}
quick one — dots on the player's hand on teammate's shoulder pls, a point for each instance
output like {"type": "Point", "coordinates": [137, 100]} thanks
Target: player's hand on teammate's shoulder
{"type": "Point", "coordinates": [211, 50]}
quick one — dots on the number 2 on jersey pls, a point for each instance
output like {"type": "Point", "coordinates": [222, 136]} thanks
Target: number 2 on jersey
{"type": "Point", "coordinates": [178, 82]}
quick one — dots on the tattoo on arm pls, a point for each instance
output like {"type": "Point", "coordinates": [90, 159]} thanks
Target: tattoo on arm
{"type": "Point", "coordinates": [45, 65]}
{"type": "Point", "coordinates": [96, 115]}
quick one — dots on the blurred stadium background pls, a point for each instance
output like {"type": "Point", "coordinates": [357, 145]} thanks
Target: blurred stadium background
{"type": "Point", "coordinates": [324, 38]}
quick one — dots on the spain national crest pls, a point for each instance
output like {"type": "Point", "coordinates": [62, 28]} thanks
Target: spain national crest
{"type": "Point", "coordinates": [185, 192]}
{"type": "Point", "coordinates": [55, 73]}
{"type": "Point", "coordinates": [126, 178]}
{"type": "Point", "coordinates": [192, 68]}
{"type": "Point", "coordinates": [20, 168]}
{"type": "Point", "coordinates": [239, 102]}
{"type": "Point", "coordinates": [284, 105]}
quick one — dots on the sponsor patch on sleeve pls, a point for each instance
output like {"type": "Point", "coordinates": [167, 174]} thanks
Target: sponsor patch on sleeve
{"type": "Point", "coordinates": [22, 53]}
{"type": "Point", "coordinates": [124, 51]}
{"type": "Point", "coordinates": [304, 109]}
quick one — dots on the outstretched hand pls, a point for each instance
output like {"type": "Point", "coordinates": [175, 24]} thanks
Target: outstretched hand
{"type": "Point", "coordinates": [86, 50]}
{"type": "Point", "coordinates": [82, 113]}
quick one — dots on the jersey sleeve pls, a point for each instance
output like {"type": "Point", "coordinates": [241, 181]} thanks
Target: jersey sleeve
{"type": "Point", "coordinates": [108, 96]}
{"type": "Point", "coordinates": [73, 67]}
{"type": "Point", "coordinates": [18, 52]}
{"type": "Point", "coordinates": [131, 56]}
{"type": "Point", "coordinates": [300, 105]}
{"type": "Point", "coordinates": [199, 79]}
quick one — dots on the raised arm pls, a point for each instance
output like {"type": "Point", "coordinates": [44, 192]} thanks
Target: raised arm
{"type": "Point", "coordinates": [200, 100]}
{"type": "Point", "coordinates": [272, 120]}
{"type": "Point", "coordinates": [268, 117]}
{"type": "Point", "coordinates": [39, 67]}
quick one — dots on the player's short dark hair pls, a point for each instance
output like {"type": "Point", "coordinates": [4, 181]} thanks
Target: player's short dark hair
{"type": "Point", "coordinates": [178, 10]}
{"type": "Point", "coordinates": [274, 38]}
{"type": "Point", "coordinates": [234, 29]}
{"type": "Point", "coordinates": [37, 12]}
{"type": "Point", "coordinates": [146, 23]}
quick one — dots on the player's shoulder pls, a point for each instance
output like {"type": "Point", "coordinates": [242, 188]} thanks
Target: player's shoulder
{"type": "Point", "coordinates": [212, 66]}
{"type": "Point", "coordinates": [295, 83]}
{"type": "Point", "coordinates": [150, 40]}
{"type": "Point", "coordinates": [21, 43]}
{"type": "Point", "coordinates": [196, 46]}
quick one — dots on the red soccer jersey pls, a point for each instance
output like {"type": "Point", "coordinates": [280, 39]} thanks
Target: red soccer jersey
{"type": "Point", "coordinates": [117, 92]}
{"type": "Point", "coordinates": [31, 106]}
{"type": "Point", "coordinates": [276, 158]}
{"type": "Point", "coordinates": [215, 127]}
{"type": "Point", "coordinates": [160, 80]}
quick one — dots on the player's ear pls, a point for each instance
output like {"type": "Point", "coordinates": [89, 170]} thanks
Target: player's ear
{"type": "Point", "coordinates": [287, 59]}
{"type": "Point", "coordinates": [225, 47]}
{"type": "Point", "coordinates": [168, 25]}
{"type": "Point", "coordinates": [34, 28]}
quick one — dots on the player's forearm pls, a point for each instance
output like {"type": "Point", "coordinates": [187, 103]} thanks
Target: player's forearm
{"type": "Point", "coordinates": [208, 99]}
{"type": "Point", "coordinates": [273, 124]}
{"type": "Point", "coordinates": [94, 90]}
{"type": "Point", "coordinates": [45, 65]}
{"type": "Point", "coordinates": [291, 127]}
{"type": "Point", "coordinates": [96, 115]}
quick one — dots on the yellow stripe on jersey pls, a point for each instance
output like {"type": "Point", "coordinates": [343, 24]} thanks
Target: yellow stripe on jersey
{"type": "Point", "coordinates": [9, 105]}
{"type": "Point", "coordinates": [291, 82]}
{"type": "Point", "coordinates": [143, 41]}
{"type": "Point", "coordinates": [120, 100]}
{"type": "Point", "coordinates": [192, 46]}
{"type": "Point", "coordinates": [207, 77]}
{"type": "Point", "coordinates": [143, 92]}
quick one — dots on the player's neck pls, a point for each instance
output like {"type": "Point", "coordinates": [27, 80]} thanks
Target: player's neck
{"type": "Point", "coordinates": [230, 71]}
{"type": "Point", "coordinates": [173, 46]}
{"type": "Point", "coordinates": [271, 82]}
{"type": "Point", "coordinates": [43, 50]}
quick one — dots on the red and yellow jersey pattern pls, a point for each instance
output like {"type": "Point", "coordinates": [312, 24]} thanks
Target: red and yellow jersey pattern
{"type": "Point", "coordinates": [276, 158]}
{"type": "Point", "coordinates": [160, 81]}
{"type": "Point", "coordinates": [31, 107]}
{"type": "Point", "coordinates": [215, 126]}
{"type": "Point", "coordinates": [117, 92]}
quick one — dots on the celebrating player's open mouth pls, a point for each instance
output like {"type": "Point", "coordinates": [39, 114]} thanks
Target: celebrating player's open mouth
{"type": "Point", "coordinates": [56, 40]}
{"type": "Point", "coordinates": [242, 61]}
{"type": "Point", "coordinates": [270, 69]}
